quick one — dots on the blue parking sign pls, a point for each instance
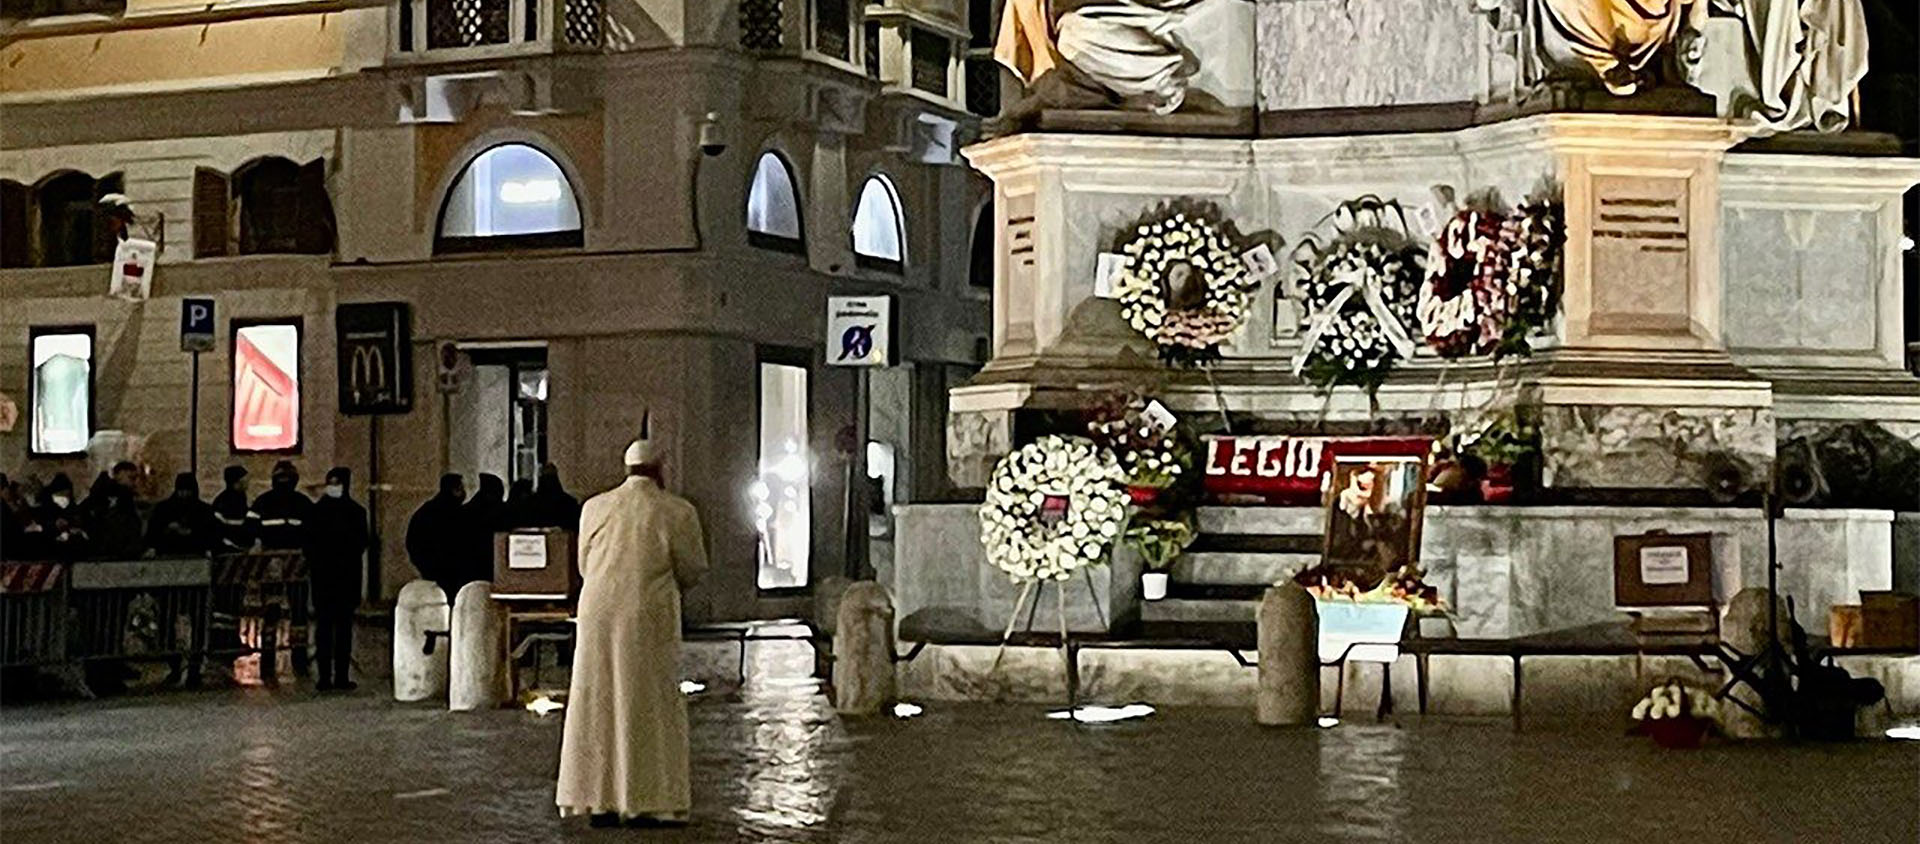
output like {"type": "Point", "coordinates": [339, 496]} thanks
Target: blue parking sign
{"type": "Point", "coordinates": [196, 325]}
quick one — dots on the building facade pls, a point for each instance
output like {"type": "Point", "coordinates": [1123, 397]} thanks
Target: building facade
{"type": "Point", "coordinates": [593, 211]}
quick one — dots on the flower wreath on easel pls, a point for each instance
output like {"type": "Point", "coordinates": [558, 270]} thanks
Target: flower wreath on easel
{"type": "Point", "coordinates": [1492, 279]}
{"type": "Point", "coordinates": [1358, 282]}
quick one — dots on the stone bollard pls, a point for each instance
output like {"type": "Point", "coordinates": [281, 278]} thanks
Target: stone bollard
{"type": "Point", "coordinates": [863, 675]}
{"type": "Point", "coordinates": [1745, 630]}
{"type": "Point", "coordinates": [479, 675]}
{"type": "Point", "coordinates": [1289, 690]}
{"type": "Point", "coordinates": [417, 675]}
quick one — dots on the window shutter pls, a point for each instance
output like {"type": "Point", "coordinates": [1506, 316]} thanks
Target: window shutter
{"type": "Point", "coordinates": [211, 196]}
{"type": "Point", "coordinates": [14, 199]}
{"type": "Point", "coordinates": [315, 223]}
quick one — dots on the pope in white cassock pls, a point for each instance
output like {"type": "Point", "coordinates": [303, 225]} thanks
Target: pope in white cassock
{"type": "Point", "coordinates": [623, 755]}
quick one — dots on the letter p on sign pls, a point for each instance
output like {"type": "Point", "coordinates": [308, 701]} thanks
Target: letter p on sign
{"type": "Point", "coordinates": [196, 325]}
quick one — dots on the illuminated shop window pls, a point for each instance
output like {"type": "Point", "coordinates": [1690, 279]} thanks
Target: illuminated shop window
{"type": "Point", "coordinates": [62, 395]}
{"type": "Point", "coordinates": [266, 387]}
{"type": "Point", "coordinates": [509, 197]}
{"type": "Point", "coordinates": [781, 495]}
{"type": "Point", "coordinates": [877, 232]}
{"type": "Point", "coordinates": [773, 207]}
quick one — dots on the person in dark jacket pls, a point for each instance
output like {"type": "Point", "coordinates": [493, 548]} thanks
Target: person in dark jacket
{"type": "Point", "coordinates": [111, 515]}
{"type": "Point", "coordinates": [234, 511]}
{"type": "Point", "coordinates": [480, 517]}
{"type": "Point", "coordinates": [552, 505]}
{"type": "Point", "coordinates": [182, 525]}
{"type": "Point", "coordinates": [283, 510]}
{"type": "Point", "coordinates": [58, 531]}
{"type": "Point", "coordinates": [433, 536]}
{"type": "Point", "coordinates": [336, 539]}
{"type": "Point", "coordinates": [519, 509]}
{"type": "Point", "coordinates": [15, 515]}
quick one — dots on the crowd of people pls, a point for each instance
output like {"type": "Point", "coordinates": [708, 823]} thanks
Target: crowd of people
{"type": "Point", "coordinates": [450, 538]}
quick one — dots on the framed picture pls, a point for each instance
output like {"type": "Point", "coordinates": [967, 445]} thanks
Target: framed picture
{"type": "Point", "coordinates": [1375, 505]}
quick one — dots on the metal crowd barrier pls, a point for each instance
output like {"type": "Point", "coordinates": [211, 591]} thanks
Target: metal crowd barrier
{"type": "Point", "coordinates": [179, 609]}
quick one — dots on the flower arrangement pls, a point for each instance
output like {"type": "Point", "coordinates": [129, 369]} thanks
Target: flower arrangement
{"type": "Point", "coordinates": [1182, 283]}
{"type": "Point", "coordinates": [1676, 714]}
{"type": "Point", "coordinates": [1359, 285]}
{"type": "Point", "coordinates": [1463, 305]}
{"type": "Point", "coordinates": [1053, 507]}
{"type": "Point", "coordinates": [1536, 237]}
{"type": "Point", "coordinates": [1160, 541]}
{"type": "Point", "coordinates": [1493, 278]}
{"type": "Point", "coordinates": [1404, 586]}
{"type": "Point", "coordinates": [1498, 438]}
{"type": "Point", "coordinates": [1145, 438]}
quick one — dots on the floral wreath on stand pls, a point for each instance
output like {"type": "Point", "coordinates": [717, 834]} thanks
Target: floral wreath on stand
{"type": "Point", "coordinates": [1182, 282]}
{"type": "Point", "coordinates": [1053, 507]}
{"type": "Point", "coordinates": [1358, 284]}
{"type": "Point", "coordinates": [1493, 279]}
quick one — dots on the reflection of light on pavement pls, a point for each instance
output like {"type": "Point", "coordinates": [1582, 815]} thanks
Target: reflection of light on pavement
{"type": "Point", "coordinates": [1103, 714]}
{"type": "Point", "coordinates": [544, 706]}
{"type": "Point", "coordinates": [692, 687]}
{"type": "Point", "coordinates": [905, 710]}
{"type": "Point", "coordinates": [1909, 732]}
{"type": "Point", "coordinates": [1329, 721]}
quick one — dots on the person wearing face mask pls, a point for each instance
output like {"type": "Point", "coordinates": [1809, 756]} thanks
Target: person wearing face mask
{"type": "Point", "coordinates": [336, 538]}
{"type": "Point", "coordinates": [182, 525]}
{"type": "Point", "coordinates": [234, 511]}
{"type": "Point", "coordinates": [283, 510]}
{"type": "Point", "coordinates": [63, 534]}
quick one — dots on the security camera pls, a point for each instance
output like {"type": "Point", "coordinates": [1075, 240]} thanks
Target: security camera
{"type": "Point", "coordinates": [712, 142]}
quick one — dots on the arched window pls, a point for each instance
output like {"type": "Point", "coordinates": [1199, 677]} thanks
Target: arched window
{"type": "Point", "coordinates": [773, 206]}
{"type": "Point", "coordinates": [72, 232]}
{"type": "Point", "coordinates": [512, 196]}
{"type": "Point", "coordinates": [878, 236]}
{"type": "Point", "coordinates": [283, 207]}
{"type": "Point", "coordinates": [980, 267]}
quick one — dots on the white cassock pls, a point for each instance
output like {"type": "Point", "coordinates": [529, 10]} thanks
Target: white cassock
{"type": "Point", "coordinates": [624, 747]}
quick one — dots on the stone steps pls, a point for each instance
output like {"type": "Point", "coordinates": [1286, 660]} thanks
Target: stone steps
{"type": "Point", "coordinates": [1230, 567]}
{"type": "Point", "coordinates": [1262, 521]}
{"type": "Point", "coordinates": [1182, 609]}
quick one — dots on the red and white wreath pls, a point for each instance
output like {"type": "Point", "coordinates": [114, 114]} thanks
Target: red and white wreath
{"type": "Point", "coordinates": [1464, 304]}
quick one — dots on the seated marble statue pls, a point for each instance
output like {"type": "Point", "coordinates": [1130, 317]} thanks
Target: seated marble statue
{"type": "Point", "coordinates": [1788, 64]}
{"type": "Point", "coordinates": [1156, 56]}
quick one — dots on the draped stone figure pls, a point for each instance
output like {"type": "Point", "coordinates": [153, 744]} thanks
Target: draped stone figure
{"type": "Point", "coordinates": [1618, 41]}
{"type": "Point", "coordinates": [1788, 64]}
{"type": "Point", "coordinates": [1156, 56]}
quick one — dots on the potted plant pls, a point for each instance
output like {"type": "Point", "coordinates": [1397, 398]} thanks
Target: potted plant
{"type": "Point", "coordinates": [1500, 441]}
{"type": "Point", "coordinates": [1159, 542]}
{"type": "Point", "coordinates": [1364, 621]}
{"type": "Point", "coordinates": [1676, 715]}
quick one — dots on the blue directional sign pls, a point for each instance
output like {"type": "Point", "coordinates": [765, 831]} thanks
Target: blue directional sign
{"type": "Point", "coordinates": [859, 330]}
{"type": "Point", "coordinates": [196, 325]}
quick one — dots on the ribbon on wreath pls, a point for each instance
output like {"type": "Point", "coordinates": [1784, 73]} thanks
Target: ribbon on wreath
{"type": "Point", "coordinates": [1366, 285]}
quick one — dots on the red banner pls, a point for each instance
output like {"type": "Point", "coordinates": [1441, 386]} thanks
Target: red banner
{"type": "Point", "coordinates": [1284, 470]}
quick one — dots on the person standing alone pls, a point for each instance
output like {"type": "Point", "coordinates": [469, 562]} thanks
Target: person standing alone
{"type": "Point", "coordinates": [623, 752]}
{"type": "Point", "coordinates": [336, 539]}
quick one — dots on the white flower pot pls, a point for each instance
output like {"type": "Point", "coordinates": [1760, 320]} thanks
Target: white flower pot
{"type": "Point", "coordinates": [1153, 585]}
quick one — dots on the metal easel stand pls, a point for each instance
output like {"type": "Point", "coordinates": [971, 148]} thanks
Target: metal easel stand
{"type": "Point", "coordinates": [1069, 653]}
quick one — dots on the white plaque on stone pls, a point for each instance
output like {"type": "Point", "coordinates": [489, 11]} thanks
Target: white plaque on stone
{"type": "Point", "coordinates": [1642, 272]}
{"type": "Point", "coordinates": [526, 551]}
{"type": "Point", "coordinates": [1663, 566]}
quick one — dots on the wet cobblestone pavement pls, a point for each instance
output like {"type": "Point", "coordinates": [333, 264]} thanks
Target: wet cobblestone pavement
{"type": "Point", "coordinates": [772, 763]}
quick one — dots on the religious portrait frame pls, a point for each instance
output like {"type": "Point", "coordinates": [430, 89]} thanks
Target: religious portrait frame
{"type": "Point", "coordinates": [1399, 493]}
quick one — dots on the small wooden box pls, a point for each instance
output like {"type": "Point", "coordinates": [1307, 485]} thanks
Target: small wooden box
{"type": "Point", "coordinates": [535, 565]}
{"type": "Point", "coordinates": [1890, 620]}
{"type": "Point", "coordinates": [1663, 570]}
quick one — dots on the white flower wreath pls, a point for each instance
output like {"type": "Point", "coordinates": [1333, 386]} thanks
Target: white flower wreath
{"type": "Point", "coordinates": [1163, 259]}
{"type": "Point", "coordinates": [1053, 507]}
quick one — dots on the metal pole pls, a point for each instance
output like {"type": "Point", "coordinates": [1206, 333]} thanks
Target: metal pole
{"type": "Point", "coordinates": [373, 508]}
{"type": "Point", "coordinates": [858, 507]}
{"type": "Point", "coordinates": [193, 419]}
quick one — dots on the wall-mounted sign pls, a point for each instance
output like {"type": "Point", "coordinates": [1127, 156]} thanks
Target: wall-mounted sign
{"type": "Point", "coordinates": [196, 325]}
{"type": "Point", "coordinates": [1288, 470]}
{"type": "Point", "coordinates": [860, 330]}
{"type": "Point", "coordinates": [375, 343]}
{"type": "Point", "coordinates": [132, 277]}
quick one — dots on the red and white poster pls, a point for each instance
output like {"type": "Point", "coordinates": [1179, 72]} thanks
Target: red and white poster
{"type": "Point", "coordinates": [1288, 470]}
